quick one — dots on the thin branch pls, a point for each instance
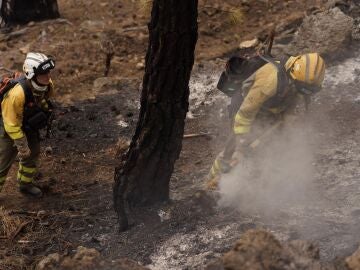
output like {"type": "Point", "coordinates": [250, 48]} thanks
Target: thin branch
{"type": "Point", "coordinates": [196, 135]}
{"type": "Point", "coordinates": [22, 226]}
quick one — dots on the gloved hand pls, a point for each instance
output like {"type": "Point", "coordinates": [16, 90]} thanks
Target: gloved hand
{"type": "Point", "coordinates": [23, 148]}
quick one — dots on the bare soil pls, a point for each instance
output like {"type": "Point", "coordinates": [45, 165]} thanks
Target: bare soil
{"type": "Point", "coordinates": [94, 123]}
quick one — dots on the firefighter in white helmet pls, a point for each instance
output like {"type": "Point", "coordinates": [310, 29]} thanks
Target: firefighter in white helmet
{"type": "Point", "coordinates": [25, 109]}
{"type": "Point", "coordinates": [264, 95]}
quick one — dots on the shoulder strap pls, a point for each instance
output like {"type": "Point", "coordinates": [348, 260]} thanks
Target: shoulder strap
{"type": "Point", "coordinates": [282, 75]}
{"type": "Point", "coordinates": [283, 82]}
{"type": "Point", "coordinates": [29, 97]}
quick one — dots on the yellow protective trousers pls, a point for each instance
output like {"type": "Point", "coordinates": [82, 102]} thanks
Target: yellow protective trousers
{"type": "Point", "coordinates": [27, 167]}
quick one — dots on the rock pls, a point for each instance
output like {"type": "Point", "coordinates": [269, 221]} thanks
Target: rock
{"type": "Point", "coordinates": [122, 146]}
{"type": "Point", "coordinates": [49, 262]}
{"type": "Point", "coordinates": [255, 250]}
{"type": "Point", "coordinates": [260, 250]}
{"type": "Point", "coordinates": [85, 259]}
{"type": "Point", "coordinates": [122, 124]}
{"type": "Point", "coordinates": [86, 254]}
{"type": "Point", "coordinates": [140, 65]}
{"type": "Point", "coordinates": [249, 43]}
{"type": "Point", "coordinates": [336, 3]}
{"type": "Point", "coordinates": [326, 33]}
{"type": "Point", "coordinates": [164, 215]}
{"type": "Point", "coordinates": [25, 49]}
{"type": "Point", "coordinates": [353, 262]}
{"type": "Point", "coordinates": [305, 249]}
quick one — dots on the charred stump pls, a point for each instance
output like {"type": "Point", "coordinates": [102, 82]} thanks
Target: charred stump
{"type": "Point", "coordinates": [24, 11]}
{"type": "Point", "coordinates": [156, 145]}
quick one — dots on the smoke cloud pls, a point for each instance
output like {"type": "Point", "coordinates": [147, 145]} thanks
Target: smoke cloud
{"type": "Point", "coordinates": [278, 175]}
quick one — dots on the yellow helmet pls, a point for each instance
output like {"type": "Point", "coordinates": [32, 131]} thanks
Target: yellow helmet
{"type": "Point", "coordinates": [307, 68]}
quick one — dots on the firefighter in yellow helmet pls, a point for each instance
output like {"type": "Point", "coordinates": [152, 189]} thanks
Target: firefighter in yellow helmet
{"type": "Point", "coordinates": [25, 109]}
{"type": "Point", "coordinates": [265, 94]}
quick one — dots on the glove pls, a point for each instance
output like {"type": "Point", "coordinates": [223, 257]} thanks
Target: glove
{"type": "Point", "coordinates": [23, 148]}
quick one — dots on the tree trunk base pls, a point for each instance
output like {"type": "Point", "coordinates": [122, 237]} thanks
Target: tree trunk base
{"type": "Point", "coordinates": [145, 177]}
{"type": "Point", "coordinates": [20, 11]}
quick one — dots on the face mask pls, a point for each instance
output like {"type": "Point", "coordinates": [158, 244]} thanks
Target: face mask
{"type": "Point", "coordinates": [38, 89]}
{"type": "Point", "coordinates": [306, 89]}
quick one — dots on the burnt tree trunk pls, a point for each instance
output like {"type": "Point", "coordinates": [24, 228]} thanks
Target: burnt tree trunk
{"type": "Point", "coordinates": [24, 11]}
{"type": "Point", "coordinates": [156, 145]}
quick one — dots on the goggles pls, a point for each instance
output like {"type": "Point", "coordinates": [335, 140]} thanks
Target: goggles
{"type": "Point", "coordinates": [45, 67]}
{"type": "Point", "coordinates": [306, 89]}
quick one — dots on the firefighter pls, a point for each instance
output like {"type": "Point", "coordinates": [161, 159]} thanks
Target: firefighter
{"type": "Point", "coordinates": [267, 96]}
{"type": "Point", "coordinates": [25, 109]}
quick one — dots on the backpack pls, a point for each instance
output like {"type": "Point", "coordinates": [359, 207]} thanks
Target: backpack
{"type": "Point", "coordinates": [238, 69]}
{"type": "Point", "coordinates": [8, 81]}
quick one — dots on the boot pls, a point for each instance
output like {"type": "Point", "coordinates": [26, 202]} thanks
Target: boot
{"type": "Point", "coordinates": [30, 189]}
{"type": "Point", "coordinates": [212, 182]}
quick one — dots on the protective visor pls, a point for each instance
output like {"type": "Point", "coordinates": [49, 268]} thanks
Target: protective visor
{"type": "Point", "coordinates": [45, 67]}
{"type": "Point", "coordinates": [306, 89]}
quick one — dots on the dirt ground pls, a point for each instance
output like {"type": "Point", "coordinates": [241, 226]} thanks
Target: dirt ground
{"type": "Point", "coordinates": [96, 117]}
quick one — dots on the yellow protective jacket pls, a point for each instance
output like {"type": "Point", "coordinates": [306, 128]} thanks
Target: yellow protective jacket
{"type": "Point", "coordinates": [12, 109]}
{"type": "Point", "coordinates": [259, 88]}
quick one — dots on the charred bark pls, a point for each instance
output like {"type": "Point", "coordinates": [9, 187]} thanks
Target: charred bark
{"type": "Point", "coordinates": [24, 11]}
{"type": "Point", "coordinates": [156, 145]}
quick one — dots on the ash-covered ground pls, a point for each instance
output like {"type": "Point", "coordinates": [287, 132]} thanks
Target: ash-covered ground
{"type": "Point", "coordinates": [309, 187]}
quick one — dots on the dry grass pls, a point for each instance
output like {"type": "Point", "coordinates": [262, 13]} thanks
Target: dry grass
{"type": "Point", "coordinates": [11, 257]}
{"type": "Point", "coordinates": [236, 16]}
{"type": "Point", "coordinates": [145, 7]}
{"type": "Point", "coordinates": [14, 263]}
{"type": "Point", "coordinates": [8, 224]}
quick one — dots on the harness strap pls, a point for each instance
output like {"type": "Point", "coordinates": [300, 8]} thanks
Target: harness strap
{"type": "Point", "coordinates": [29, 97]}
{"type": "Point", "coordinates": [283, 82]}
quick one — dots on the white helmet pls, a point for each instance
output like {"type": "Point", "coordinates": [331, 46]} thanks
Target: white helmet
{"type": "Point", "coordinates": [35, 64]}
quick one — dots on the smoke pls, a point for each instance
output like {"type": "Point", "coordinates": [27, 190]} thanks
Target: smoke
{"type": "Point", "coordinates": [276, 177]}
